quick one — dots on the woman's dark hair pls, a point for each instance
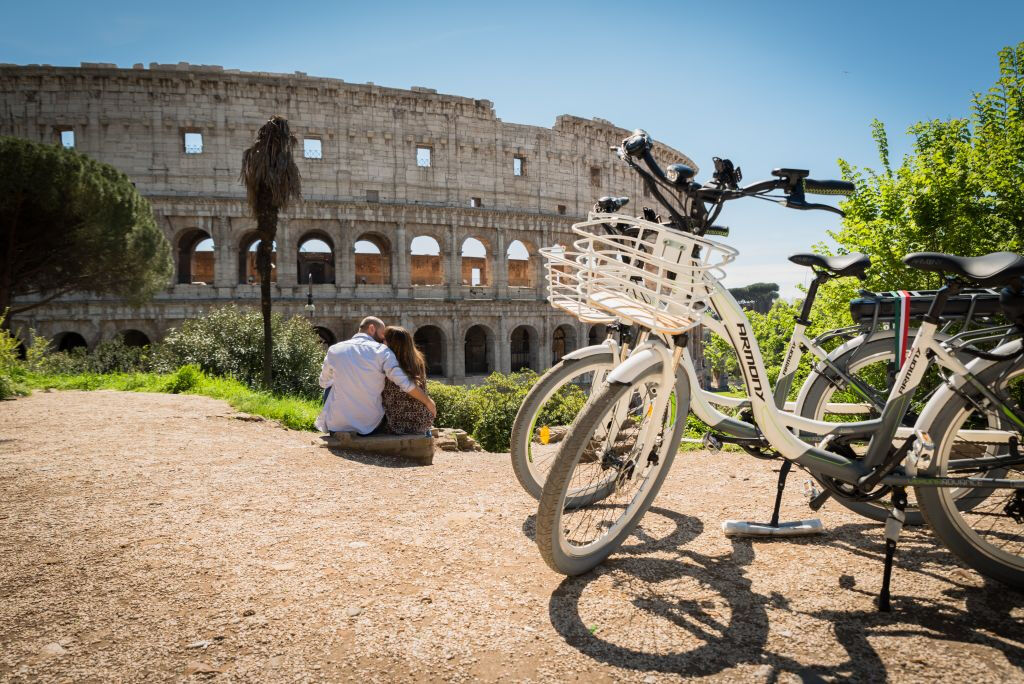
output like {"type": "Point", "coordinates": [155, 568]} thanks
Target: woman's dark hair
{"type": "Point", "coordinates": [410, 358]}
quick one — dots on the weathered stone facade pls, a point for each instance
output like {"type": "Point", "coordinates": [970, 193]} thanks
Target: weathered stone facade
{"type": "Point", "coordinates": [493, 181]}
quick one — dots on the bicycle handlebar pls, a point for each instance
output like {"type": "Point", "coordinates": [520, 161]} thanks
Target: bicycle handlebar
{"type": "Point", "coordinates": [793, 183]}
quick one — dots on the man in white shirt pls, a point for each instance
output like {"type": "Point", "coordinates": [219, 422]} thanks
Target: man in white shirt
{"type": "Point", "coordinates": [354, 370]}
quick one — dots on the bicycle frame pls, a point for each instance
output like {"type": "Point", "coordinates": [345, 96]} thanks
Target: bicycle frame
{"type": "Point", "coordinates": [778, 427]}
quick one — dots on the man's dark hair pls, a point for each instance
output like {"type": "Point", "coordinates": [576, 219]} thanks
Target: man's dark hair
{"type": "Point", "coordinates": [365, 324]}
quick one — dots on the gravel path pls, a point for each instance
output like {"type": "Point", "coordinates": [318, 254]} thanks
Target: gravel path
{"type": "Point", "coordinates": [157, 537]}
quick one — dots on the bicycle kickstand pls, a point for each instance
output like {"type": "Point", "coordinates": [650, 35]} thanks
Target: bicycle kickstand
{"type": "Point", "coordinates": [797, 528]}
{"type": "Point", "coordinates": [893, 527]}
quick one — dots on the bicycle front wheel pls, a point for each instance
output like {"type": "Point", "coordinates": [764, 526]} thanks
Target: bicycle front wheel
{"type": "Point", "coordinates": [604, 446]}
{"type": "Point", "coordinates": [548, 410]}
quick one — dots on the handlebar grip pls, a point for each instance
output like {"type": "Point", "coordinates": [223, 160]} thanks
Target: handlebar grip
{"type": "Point", "coordinates": [717, 230]}
{"type": "Point", "coordinates": [828, 187]}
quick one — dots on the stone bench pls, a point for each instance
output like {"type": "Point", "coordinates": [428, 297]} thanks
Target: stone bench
{"type": "Point", "coordinates": [412, 447]}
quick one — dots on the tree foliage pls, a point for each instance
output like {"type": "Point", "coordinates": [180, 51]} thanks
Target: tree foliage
{"type": "Point", "coordinates": [961, 191]}
{"type": "Point", "coordinates": [71, 223]}
{"type": "Point", "coordinates": [757, 296]}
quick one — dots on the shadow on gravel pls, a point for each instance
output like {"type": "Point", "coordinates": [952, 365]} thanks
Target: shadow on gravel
{"type": "Point", "coordinates": [706, 601]}
{"type": "Point", "coordinates": [697, 615]}
{"type": "Point", "coordinates": [374, 460]}
{"type": "Point", "coordinates": [649, 537]}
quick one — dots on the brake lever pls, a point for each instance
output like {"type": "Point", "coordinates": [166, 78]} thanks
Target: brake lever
{"type": "Point", "coordinates": [809, 206]}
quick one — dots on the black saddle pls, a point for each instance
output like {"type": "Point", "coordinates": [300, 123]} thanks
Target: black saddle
{"type": "Point", "coordinates": [997, 268]}
{"type": "Point", "coordinates": [843, 265]}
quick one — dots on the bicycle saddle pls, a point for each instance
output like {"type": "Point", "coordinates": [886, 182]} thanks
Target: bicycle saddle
{"type": "Point", "coordinates": [997, 268]}
{"type": "Point", "coordinates": [843, 265]}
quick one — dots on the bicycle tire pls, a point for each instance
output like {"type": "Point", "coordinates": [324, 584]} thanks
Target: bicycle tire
{"type": "Point", "coordinates": [528, 470]}
{"type": "Point", "coordinates": [946, 516]}
{"type": "Point", "coordinates": [554, 498]}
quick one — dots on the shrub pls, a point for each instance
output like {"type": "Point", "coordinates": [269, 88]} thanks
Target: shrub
{"type": "Point", "coordinates": [457, 406]}
{"type": "Point", "coordinates": [185, 379]}
{"type": "Point", "coordinates": [562, 408]}
{"type": "Point", "coordinates": [109, 356]}
{"type": "Point", "coordinates": [228, 342]}
{"type": "Point", "coordinates": [11, 369]}
{"type": "Point", "coordinates": [499, 398]}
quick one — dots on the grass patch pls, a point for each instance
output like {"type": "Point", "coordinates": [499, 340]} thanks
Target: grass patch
{"type": "Point", "coordinates": [297, 414]}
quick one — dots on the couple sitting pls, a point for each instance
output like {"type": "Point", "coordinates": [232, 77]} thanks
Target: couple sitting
{"type": "Point", "coordinates": [376, 383]}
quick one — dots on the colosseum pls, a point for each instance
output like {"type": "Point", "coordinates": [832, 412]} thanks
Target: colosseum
{"type": "Point", "coordinates": [425, 209]}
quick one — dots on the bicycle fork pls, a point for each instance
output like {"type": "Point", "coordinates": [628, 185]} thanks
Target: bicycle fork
{"type": "Point", "coordinates": [656, 409]}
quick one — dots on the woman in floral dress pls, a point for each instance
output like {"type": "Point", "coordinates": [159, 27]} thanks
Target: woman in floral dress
{"type": "Point", "coordinates": [404, 415]}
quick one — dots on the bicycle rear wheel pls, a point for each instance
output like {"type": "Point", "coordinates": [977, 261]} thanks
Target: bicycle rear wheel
{"type": "Point", "coordinates": [987, 534]}
{"type": "Point", "coordinates": [604, 447]}
{"type": "Point", "coordinates": [549, 409]}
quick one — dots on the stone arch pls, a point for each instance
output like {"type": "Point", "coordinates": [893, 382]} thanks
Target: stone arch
{"type": "Point", "coordinates": [68, 340]}
{"type": "Point", "coordinates": [426, 265]}
{"type": "Point", "coordinates": [597, 333]}
{"type": "Point", "coordinates": [248, 273]}
{"type": "Point", "coordinates": [325, 334]}
{"type": "Point", "coordinates": [523, 348]}
{"type": "Point", "coordinates": [317, 259]}
{"type": "Point", "coordinates": [520, 259]}
{"type": "Point", "coordinates": [195, 257]}
{"type": "Point", "coordinates": [372, 259]}
{"type": "Point", "coordinates": [134, 338]}
{"type": "Point", "coordinates": [429, 339]}
{"type": "Point", "coordinates": [563, 341]}
{"type": "Point", "coordinates": [474, 262]}
{"type": "Point", "coordinates": [479, 350]}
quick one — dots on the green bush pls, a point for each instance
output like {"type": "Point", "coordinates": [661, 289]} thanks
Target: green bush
{"type": "Point", "coordinates": [228, 342]}
{"type": "Point", "coordinates": [562, 408]}
{"type": "Point", "coordinates": [457, 406]}
{"type": "Point", "coordinates": [12, 371]}
{"type": "Point", "coordinates": [499, 398]}
{"type": "Point", "coordinates": [185, 379]}
{"type": "Point", "coordinates": [109, 356]}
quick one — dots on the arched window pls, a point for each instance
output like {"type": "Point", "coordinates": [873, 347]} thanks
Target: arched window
{"type": "Point", "coordinates": [430, 340]}
{"type": "Point", "coordinates": [520, 273]}
{"type": "Point", "coordinates": [373, 260]}
{"type": "Point", "coordinates": [66, 341]}
{"type": "Point", "coordinates": [195, 258]}
{"type": "Point", "coordinates": [326, 336]}
{"type": "Point", "coordinates": [316, 258]}
{"type": "Point", "coordinates": [596, 334]}
{"type": "Point", "coordinates": [425, 267]}
{"type": "Point", "coordinates": [134, 338]}
{"type": "Point", "coordinates": [474, 263]}
{"type": "Point", "coordinates": [563, 341]}
{"type": "Point", "coordinates": [247, 269]}
{"type": "Point", "coordinates": [523, 348]}
{"type": "Point", "coordinates": [478, 351]}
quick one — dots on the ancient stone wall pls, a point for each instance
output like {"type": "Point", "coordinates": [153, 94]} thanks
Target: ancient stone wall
{"type": "Point", "coordinates": [384, 166]}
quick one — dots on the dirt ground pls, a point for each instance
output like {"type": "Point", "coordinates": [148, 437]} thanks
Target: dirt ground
{"type": "Point", "coordinates": [163, 538]}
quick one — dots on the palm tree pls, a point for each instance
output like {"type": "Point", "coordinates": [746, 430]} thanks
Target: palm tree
{"type": "Point", "coordinates": [271, 181]}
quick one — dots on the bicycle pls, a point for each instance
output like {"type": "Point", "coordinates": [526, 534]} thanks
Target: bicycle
{"type": "Point", "coordinates": [668, 282]}
{"type": "Point", "coordinates": [865, 344]}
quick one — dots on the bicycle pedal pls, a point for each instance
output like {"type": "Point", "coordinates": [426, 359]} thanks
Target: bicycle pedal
{"type": "Point", "coordinates": [711, 443]}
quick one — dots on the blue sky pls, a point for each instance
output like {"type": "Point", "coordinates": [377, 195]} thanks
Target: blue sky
{"type": "Point", "coordinates": [765, 84]}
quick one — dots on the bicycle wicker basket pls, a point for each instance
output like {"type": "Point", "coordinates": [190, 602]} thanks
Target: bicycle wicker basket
{"type": "Point", "coordinates": [644, 273]}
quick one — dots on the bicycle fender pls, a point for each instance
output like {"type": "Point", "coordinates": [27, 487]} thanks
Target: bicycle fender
{"type": "Point", "coordinates": [636, 365]}
{"type": "Point", "coordinates": [585, 352]}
